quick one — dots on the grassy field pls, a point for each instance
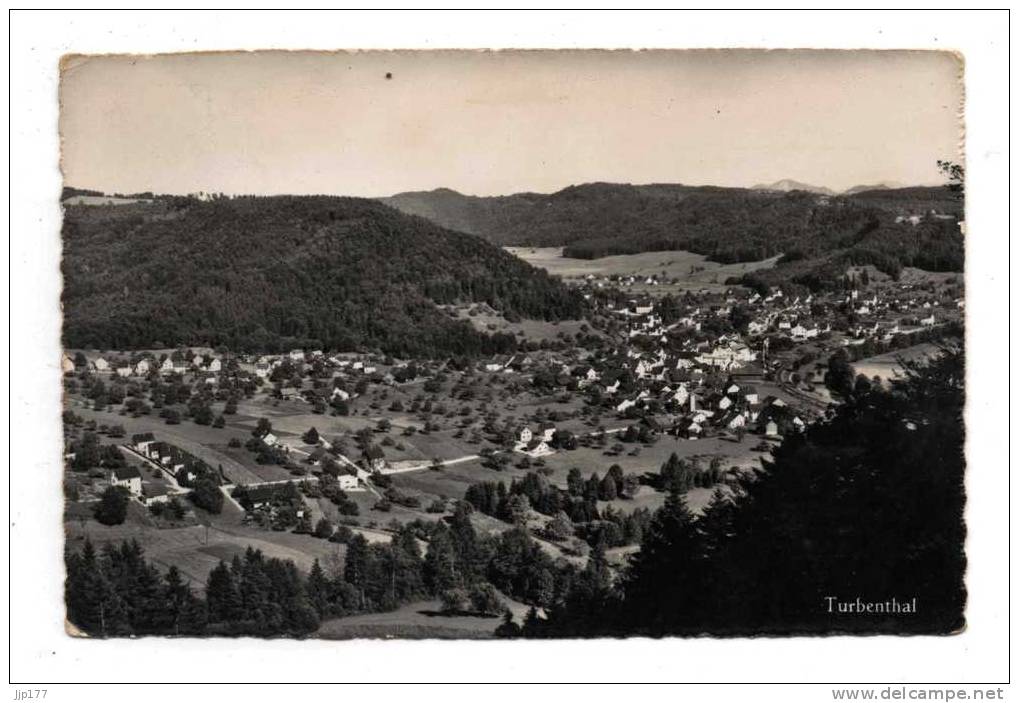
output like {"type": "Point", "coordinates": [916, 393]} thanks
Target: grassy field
{"type": "Point", "coordinates": [420, 620]}
{"type": "Point", "coordinates": [488, 320]}
{"type": "Point", "coordinates": [199, 440]}
{"type": "Point", "coordinates": [196, 555]}
{"type": "Point", "coordinates": [453, 481]}
{"type": "Point", "coordinates": [692, 269]}
{"type": "Point", "coordinates": [887, 366]}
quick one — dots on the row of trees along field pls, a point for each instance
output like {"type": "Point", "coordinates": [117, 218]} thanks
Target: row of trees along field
{"type": "Point", "coordinates": [115, 591]}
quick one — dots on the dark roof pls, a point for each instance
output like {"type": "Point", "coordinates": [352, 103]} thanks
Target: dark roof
{"type": "Point", "coordinates": [260, 494]}
{"type": "Point", "coordinates": [123, 473]}
{"type": "Point", "coordinates": [751, 369]}
{"type": "Point", "coordinates": [143, 437]}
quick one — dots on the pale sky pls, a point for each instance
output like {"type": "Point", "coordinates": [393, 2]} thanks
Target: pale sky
{"type": "Point", "coordinates": [493, 123]}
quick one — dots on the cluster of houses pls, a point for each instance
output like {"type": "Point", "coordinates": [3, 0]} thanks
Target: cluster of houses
{"type": "Point", "coordinates": [176, 363]}
{"type": "Point", "coordinates": [737, 408]}
{"type": "Point", "coordinates": [263, 366]}
{"type": "Point", "coordinates": [535, 443]}
{"type": "Point", "coordinates": [178, 463]}
{"type": "Point", "coordinates": [181, 362]}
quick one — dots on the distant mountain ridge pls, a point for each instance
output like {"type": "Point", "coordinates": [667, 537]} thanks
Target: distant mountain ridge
{"type": "Point", "coordinates": [877, 186]}
{"type": "Point", "coordinates": [725, 224]}
{"type": "Point", "coordinates": [787, 185]}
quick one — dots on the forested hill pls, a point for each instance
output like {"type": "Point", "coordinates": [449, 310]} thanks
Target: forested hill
{"type": "Point", "coordinates": [726, 224]}
{"type": "Point", "coordinates": [269, 273]}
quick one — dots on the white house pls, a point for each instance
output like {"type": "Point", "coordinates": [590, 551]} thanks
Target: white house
{"type": "Point", "coordinates": [524, 435]}
{"type": "Point", "coordinates": [625, 405]}
{"type": "Point", "coordinates": [732, 356]}
{"type": "Point", "coordinates": [66, 364]}
{"type": "Point", "coordinates": [801, 332]}
{"type": "Point", "coordinates": [142, 442]}
{"type": "Point", "coordinates": [347, 482]}
{"type": "Point", "coordinates": [737, 422]}
{"type": "Point", "coordinates": [129, 477]}
{"type": "Point", "coordinates": [101, 364]}
{"type": "Point", "coordinates": [341, 394]}
{"type": "Point", "coordinates": [535, 448]}
{"type": "Point", "coordinates": [142, 367]}
{"type": "Point", "coordinates": [681, 394]}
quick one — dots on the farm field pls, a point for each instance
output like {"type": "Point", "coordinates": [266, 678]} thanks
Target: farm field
{"type": "Point", "coordinates": [886, 366]}
{"type": "Point", "coordinates": [693, 269]}
{"type": "Point", "coordinates": [651, 458]}
{"type": "Point", "coordinates": [485, 319]}
{"type": "Point", "coordinates": [187, 549]}
{"type": "Point", "coordinates": [453, 481]}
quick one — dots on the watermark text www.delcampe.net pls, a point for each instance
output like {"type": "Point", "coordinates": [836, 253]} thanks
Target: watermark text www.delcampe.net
{"type": "Point", "coordinates": [906, 693]}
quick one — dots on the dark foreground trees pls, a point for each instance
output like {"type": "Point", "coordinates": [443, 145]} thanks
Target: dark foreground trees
{"type": "Point", "coordinates": [116, 592]}
{"type": "Point", "coordinates": [866, 505]}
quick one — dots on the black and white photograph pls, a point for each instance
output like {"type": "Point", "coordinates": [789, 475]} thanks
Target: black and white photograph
{"type": "Point", "coordinates": [371, 345]}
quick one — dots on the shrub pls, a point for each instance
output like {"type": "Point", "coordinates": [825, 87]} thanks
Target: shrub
{"type": "Point", "coordinates": [343, 534]}
{"type": "Point", "coordinates": [484, 600]}
{"type": "Point", "coordinates": [323, 529]}
{"type": "Point", "coordinates": [112, 507]}
{"type": "Point", "coordinates": [454, 600]}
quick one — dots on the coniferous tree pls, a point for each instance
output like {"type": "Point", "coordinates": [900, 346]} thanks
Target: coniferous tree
{"type": "Point", "coordinates": [440, 570]}
{"type": "Point", "coordinates": [318, 589]}
{"type": "Point", "coordinates": [224, 602]}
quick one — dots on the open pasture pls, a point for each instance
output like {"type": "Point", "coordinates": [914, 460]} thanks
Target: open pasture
{"type": "Point", "coordinates": [683, 265]}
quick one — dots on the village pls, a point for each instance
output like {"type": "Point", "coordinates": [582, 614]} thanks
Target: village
{"type": "Point", "coordinates": [297, 451]}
